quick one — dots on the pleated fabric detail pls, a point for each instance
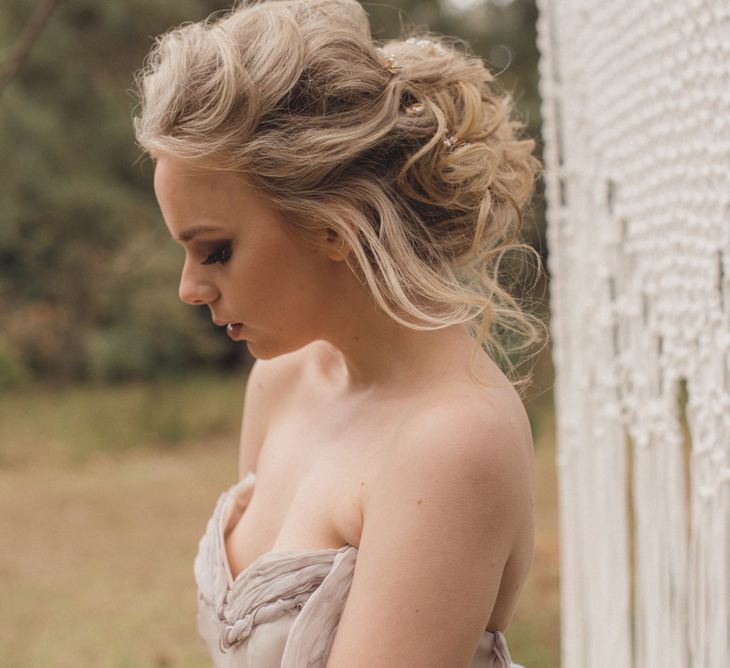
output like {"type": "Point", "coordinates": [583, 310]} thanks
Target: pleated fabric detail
{"type": "Point", "coordinates": [282, 611]}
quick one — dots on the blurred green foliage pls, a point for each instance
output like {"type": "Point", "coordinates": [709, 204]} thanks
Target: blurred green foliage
{"type": "Point", "coordinates": [88, 273]}
{"type": "Point", "coordinates": [66, 424]}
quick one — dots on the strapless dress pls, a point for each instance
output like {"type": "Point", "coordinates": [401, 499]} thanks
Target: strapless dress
{"type": "Point", "coordinates": [282, 611]}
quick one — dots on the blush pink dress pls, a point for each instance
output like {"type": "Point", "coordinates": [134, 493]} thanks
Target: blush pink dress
{"type": "Point", "coordinates": [282, 610]}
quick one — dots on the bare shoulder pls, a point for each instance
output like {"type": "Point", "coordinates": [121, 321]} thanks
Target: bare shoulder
{"type": "Point", "coordinates": [268, 386]}
{"type": "Point", "coordinates": [473, 438]}
{"type": "Point", "coordinates": [474, 425]}
{"type": "Point", "coordinates": [441, 523]}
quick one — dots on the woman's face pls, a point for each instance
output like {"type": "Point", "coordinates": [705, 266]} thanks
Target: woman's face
{"type": "Point", "coordinates": [243, 261]}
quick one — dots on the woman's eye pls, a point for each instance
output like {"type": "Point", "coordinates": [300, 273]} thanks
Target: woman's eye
{"type": "Point", "coordinates": [221, 256]}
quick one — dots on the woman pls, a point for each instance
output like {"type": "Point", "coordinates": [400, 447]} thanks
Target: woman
{"type": "Point", "coordinates": [343, 209]}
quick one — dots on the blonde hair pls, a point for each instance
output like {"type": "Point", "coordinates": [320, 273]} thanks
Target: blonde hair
{"type": "Point", "coordinates": [297, 96]}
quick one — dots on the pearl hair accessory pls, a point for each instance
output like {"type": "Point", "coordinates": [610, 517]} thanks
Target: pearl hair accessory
{"type": "Point", "coordinates": [416, 109]}
{"type": "Point", "coordinates": [393, 66]}
{"type": "Point", "coordinates": [389, 62]}
{"type": "Point", "coordinates": [427, 44]}
{"type": "Point", "coordinates": [450, 141]}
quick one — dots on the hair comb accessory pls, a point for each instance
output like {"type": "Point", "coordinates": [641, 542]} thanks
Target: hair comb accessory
{"type": "Point", "coordinates": [427, 44]}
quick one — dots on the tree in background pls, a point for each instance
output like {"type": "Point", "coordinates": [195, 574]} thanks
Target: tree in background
{"type": "Point", "coordinates": [88, 273]}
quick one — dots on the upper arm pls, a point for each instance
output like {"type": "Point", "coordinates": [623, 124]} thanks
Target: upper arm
{"type": "Point", "coordinates": [265, 388]}
{"type": "Point", "coordinates": [438, 529]}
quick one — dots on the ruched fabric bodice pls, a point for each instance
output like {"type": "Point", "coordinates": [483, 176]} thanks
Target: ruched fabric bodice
{"type": "Point", "coordinates": [282, 611]}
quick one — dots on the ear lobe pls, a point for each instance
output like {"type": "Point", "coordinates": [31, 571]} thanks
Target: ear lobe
{"type": "Point", "coordinates": [336, 247]}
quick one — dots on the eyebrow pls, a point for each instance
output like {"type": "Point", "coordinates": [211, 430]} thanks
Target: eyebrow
{"type": "Point", "coordinates": [195, 230]}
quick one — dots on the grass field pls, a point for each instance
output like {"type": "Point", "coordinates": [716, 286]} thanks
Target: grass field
{"type": "Point", "coordinates": [104, 494]}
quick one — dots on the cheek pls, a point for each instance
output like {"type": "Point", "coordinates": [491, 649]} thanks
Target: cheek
{"type": "Point", "coordinates": [311, 274]}
{"type": "Point", "coordinates": [303, 287]}
{"type": "Point", "coordinates": [284, 280]}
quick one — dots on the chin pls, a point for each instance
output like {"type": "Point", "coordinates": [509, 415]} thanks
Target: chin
{"type": "Point", "coordinates": [279, 348]}
{"type": "Point", "coordinates": [255, 353]}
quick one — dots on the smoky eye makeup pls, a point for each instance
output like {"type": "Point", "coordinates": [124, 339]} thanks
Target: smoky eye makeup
{"type": "Point", "coordinates": [220, 255]}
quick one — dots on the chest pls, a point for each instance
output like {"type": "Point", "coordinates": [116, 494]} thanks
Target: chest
{"type": "Point", "coordinates": [312, 480]}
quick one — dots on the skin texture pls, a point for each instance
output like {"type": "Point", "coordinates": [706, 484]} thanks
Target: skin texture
{"type": "Point", "coordinates": [361, 431]}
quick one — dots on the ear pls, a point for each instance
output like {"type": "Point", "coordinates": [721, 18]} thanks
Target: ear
{"type": "Point", "coordinates": [335, 246]}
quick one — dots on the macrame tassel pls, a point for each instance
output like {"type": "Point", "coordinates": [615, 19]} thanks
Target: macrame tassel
{"type": "Point", "coordinates": [636, 121]}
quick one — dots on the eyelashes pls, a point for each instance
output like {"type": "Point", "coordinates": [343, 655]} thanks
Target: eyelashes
{"type": "Point", "coordinates": [219, 256]}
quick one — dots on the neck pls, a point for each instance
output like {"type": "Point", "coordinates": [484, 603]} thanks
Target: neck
{"type": "Point", "coordinates": [371, 350]}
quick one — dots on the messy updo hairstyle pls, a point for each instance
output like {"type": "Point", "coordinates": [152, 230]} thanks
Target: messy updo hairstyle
{"type": "Point", "coordinates": [406, 150]}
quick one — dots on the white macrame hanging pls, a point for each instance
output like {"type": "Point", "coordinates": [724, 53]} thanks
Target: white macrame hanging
{"type": "Point", "coordinates": [636, 112]}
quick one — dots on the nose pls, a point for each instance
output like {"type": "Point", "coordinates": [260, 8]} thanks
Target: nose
{"type": "Point", "coordinates": [195, 289]}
